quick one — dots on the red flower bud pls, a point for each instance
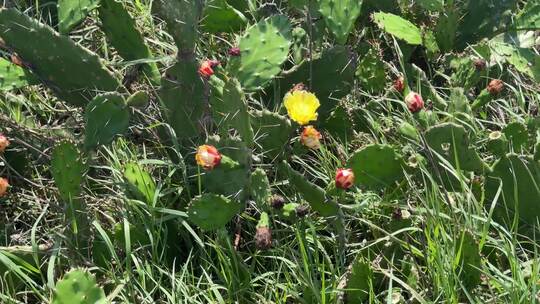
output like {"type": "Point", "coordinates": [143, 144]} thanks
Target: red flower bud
{"type": "Point", "coordinates": [4, 143]}
{"type": "Point", "coordinates": [208, 157]}
{"type": "Point", "coordinates": [399, 84]}
{"type": "Point", "coordinates": [4, 185]}
{"type": "Point", "coordinates": [235, 51]}
{"type": "Point", "coordinates": [310, 137]}
{"type": "Point", "coordinates": [414, 102]}
{"type": "Point", "coordinates": [344, 178]}
{"type": "Point", "coordinates": [207, 68]}
{"type": "Point", "coordinates": [495, 87]}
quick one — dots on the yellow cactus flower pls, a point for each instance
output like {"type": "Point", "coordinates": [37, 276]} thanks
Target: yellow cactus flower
{"type": "Point", "coordinates": [301, 106]}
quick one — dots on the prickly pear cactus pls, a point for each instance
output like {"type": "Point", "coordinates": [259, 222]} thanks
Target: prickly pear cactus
{"type": "Point", "coordinates": [106, 117]}
{"type": "Point", "coordinates": [260, 188]}
{"type": "Point", "coordinates": [371, 72]}
{"type": "Point", "coordinates": [121, 31]}
{"type": "Point", "coordinates": [211, 211]}
{"type": "Point", "coordinates": [340, 16]}
{"type": "Point", "coordinates": [230, 109]}
{"type": "Point", "coordinates": [67, 168]}
{"type": "Point", "coordinates": [219, 16]}
{"type": "Point", "coordinates": [78, 287]}
{"type": "Point", "coordinates": [451, 142]}
{"type": "Point", "coordinates": [400, 28]}
{"type": "Point", "coordinates": [272, 131]}
{"type": "Point", "coordinates": [13, 76]}
{"type": "Point", "coordinates": [182, 18]}
{"type": "Point", "coordinates": [377, 166]}
{"type": "Point", "coordinates": [140, 182]}
{"type": "Point", "coordinates": [313, 194]}
{"type": "Point", "coordinates": [72, 72]}
{"type": "Point", "coordinates": [265, 47]}
{"type": "Point", "coordinates": [73, 12]}
{"type": "Point", "coordinates": [517, 135]}
{"type": "Point", "coordinates": [329, 76]}
{"type": "Point", "coordinates": [520, 177]}
{"type": "Point", "coordinates": [358, 281]}
{"type": "Point", "coordinates": [497, 143]}
{"type": "Point", "coordinates": [469, 264]}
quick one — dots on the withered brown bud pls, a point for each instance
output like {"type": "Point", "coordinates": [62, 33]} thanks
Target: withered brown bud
{"type": "Point", "coordinates": [495, 87]}
{"type": "Point", "coordinates": [479, 64]}
{"type": "Point", "coordinates": [302, 210]}
{"type": "Point", "coordinates": [235, 52]}
{"type": "Point", "coordinates": [277, 201]}
{"type": "Point", "coordinates": [299, 87]}
{"type": "Point", "coordinates": [263, 238]}
{"type": "Point", "coordinates": [399, 84]}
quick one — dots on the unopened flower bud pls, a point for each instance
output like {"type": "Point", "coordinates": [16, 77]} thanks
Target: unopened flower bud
{"type": "Point", "coordinates": [310, 137]}
{"type": "Point", "coordinates": [263, 238]}
{"type": "Point", "coordinates": [235, 52]}
{"type": "Point", "coordinates": [277, 201]}
{"type": "Point", "coordinates": [302, 210]}
{"type": "Point", "coordinates": [414, 102]}
{"type": "Point", "coordinates": [208, 157]}
{"type": "Point", "coordinates": [495, 87]}
{"type": "Point", "coordinates": [399, 84]}
{"type": "Point", "coordinates": [4, 143]}
{"type": "Point", "coordinates": [207, 68]}
{"type": "Point", "coordinates": [4, 185]}
{"type": "Point", "coordinates": [344, 178]}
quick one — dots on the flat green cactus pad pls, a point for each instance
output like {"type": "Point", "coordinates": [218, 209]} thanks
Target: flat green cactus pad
{"type": "Point", "coordinates": [78, 287]}
{"type": "Point", "coordinates": [73, 12]}
{"type": "Point", "coordinates": [13, 76]}
{"type": "Point", "coordinates": [377, 166]}
{"type": "Point", "coordinates": [400, 28]}
{"type": "Point", "coordinates": [140, 182]}
{"type": "Point", "coordinates": [211, 211]}
{"type": "Point", "coordinates": [340, 16]}
{"type": "Point", "coordinates": [107, 116]}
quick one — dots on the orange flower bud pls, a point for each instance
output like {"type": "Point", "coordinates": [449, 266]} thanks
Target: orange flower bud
{"type": "Point", "coordinates": [399, 84]}
{"type": "Point", "coordinates": [208, 157]}
{"type": "Point", "coordinates": [206, 69]}
{"type": "Point", "coordinates": [310, 137]}
{"type": "Point", "coordinates": [344, 178]}
{"type": "Point", "coordinates": [414, 102]}
{"type": "Point", "coordinates": [4, 185]}
{"type": "Point", "coordinates": [4, 143]}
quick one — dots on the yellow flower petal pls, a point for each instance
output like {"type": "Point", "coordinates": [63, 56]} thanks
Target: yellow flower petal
{"type": "Point", "coordinates": [301, 106]}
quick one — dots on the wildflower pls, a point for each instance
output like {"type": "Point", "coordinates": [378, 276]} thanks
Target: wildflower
{"type": "Point", "coordinates": [495, 87]}
{"type": "Point", "coordinates": [301, 105]}
{"type": "Point", "coordinates": [414, 102]}
{"type": "Point", "coordinates": [235, 51]}
{"type": "Point", "coordinates": [344, 178]}
{"type": "Point", "coordinates": [4, 185]}
{"type": "Point", "coordinates": [208, 157]}
{"type": "Point", "coordinates": [310, 137]}
{"type": "Point", "coordinates": [4, 143]}
{"type": "Point", "coordinates": [207, 68]}
{"type": "Point", "coordinates": [399, 84]}
{"type": "Point", "coordinates": [277, 201]}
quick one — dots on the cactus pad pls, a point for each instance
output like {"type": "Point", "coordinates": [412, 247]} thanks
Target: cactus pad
{"type": "Point", "coordinates": [260, 188]}
{"type": "Point", "coordinates": [78, 287]}
{"type": "Point", "coordinates": [272, 131]}
{"type": "Point", "coordinates": [377, 166]}
{"type": "Point", "coordinates": [67, 168]}
{"type": "Point", "coordinates": [106, 117]}
{"type": "Point", "coordinates": [13, 76]}
{"type": "Point", "coordinates": [72, 72]}
{"type": "Point", "coordinates": [340, 16]}
{"type": "Point", "coordinates": [211, 211]}
{"type": "Point", "coordinates": [358, 281]}
{"type": "Point", "coordinates": [451, 141]}
{"type": "Point", "coordinates": [120, 29]}
{"type": "Point", "coordinates": [140, 182]}
{"type": "Point", "coordinates": [517, 135]}
{"type": "Point", "coordinates": [73, 12]}
{"type": "Point", "coordinates": [469, 267]}
{"type": "Point", "coordinates": [400, 28]}
{"type": "Point", "coordinates": [219, 16]}
{"type": "Point", "coordinates": [265, 47]}
{"type": "Point", "coordinates": [371, 72]}
{"type": "Point", "coordinates": [182, 18]}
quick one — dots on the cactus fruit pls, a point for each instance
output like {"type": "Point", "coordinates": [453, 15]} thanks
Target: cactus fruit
{"type": "Point", "coordinates": [329, 76]}
{"type": "Point", "coordinates": [260, 188]}
{"type": "Point", "coordinates": [211, 211]}
{"type": "Point", "coordinates": [313, 194]}
{"type": "Point", "coordinates": [106, 117]}
{"type": "Point", "coordinates": [72, 72]}
{"type": "Point", "coordinates": [182, 97]}
{"type": "Point", "coordinates": [517, 135]}
{"type": "Point", "coordinates": [122, 33]}
{"type": "Point", "coordinates": [340, 16]}
{"type": "Point", "coordinates": [497, 143]}
{"type": "Point", "coordinates": [451, 142]}
{"type": "Point", "coordinates": [13, 76]}
{"type": "Point", "coordinates": [265, 47]}
{"type": "Point", "coordinates": [182, 18]}
{"type": "Point", "coordinates": [73, 12]}
{"type": "Point", "coordinates": [78, 287]}
{"type": "Point", "coordinates": [399, 27]}
{"type": "Point", "coordinates": [520, 177]}
{"type": "Point", "coordinates": [377, 166]}
{"type": "Point", "coordinates": [272, 131]}
{"type": "Point", "coordinates": [220, 17]}
{"type": "Point", "coordinates": [263, 236]}
{"type": "Point", "coordinates": [230, 109]}
{"type": "Point", "coordinates": [140, 183]}
{"type": "Point", "coordinates": [371, 72]}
